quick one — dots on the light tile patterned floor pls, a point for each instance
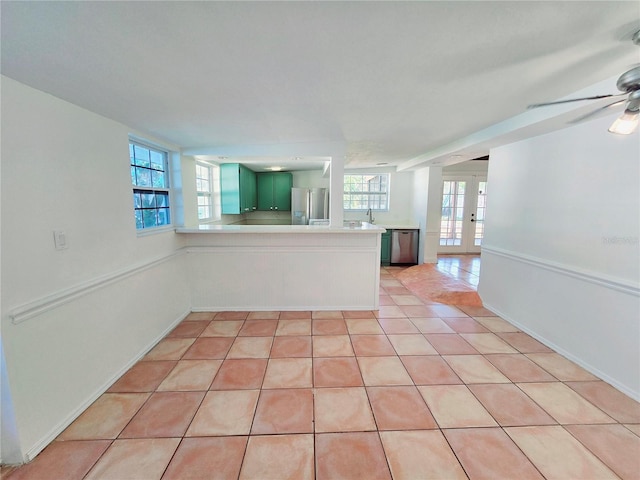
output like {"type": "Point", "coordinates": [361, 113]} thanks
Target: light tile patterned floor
{"type": "Point", "coordinates": [410, 391]}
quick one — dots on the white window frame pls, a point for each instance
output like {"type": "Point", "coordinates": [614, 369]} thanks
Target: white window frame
{"type": "Point", "coordinates": [205, 193]}
{"type": "Point", "coordinates": [164, 191]}
{"type": "Point", "coordinates": [377, 200]}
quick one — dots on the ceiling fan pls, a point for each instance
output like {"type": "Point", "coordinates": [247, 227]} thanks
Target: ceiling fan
{"type": "Point", "coordinates": [629, 84]}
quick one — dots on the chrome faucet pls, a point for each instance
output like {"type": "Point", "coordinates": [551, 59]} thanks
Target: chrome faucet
{"type": "Point", "coordinates": [370, 214]}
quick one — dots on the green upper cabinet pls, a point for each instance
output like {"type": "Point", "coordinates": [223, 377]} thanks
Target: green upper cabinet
{"type": "Point", "coordinates": [237, 189]}
{"type": "Point", "coordinates": [274, 190]}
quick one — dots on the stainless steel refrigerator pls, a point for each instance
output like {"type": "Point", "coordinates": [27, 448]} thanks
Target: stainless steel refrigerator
{"type": "Point", "coordinates": [309, 204]}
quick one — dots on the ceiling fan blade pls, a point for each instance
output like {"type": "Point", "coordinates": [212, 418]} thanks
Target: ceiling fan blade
{"type": "Point", "coordinates": [596, 111]}
{"type": "Point", "coordinates": [596, 97]}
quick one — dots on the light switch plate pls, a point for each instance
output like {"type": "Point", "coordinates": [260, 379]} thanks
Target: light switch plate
{"type": "Point", "coordinates": [60, 239]}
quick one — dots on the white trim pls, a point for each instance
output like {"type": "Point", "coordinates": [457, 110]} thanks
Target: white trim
{"type": "Point", "coordinates": [59, 428]}
{"type": "Point", "coordinates": [36, 307]}
{"type": "Point", "coordinates": [556, 348]}
{"type": "Point", "coordinates": [600, 279]}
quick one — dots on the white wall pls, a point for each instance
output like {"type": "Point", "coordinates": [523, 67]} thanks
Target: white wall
{"type": "Point", "coordinates": [426, 208]}
{"type": "Point", "coordinates": [560, 256]}
{"type": "Point", "coordinates": [73, 320]}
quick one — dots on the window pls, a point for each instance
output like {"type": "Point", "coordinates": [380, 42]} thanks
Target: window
{"type": "Point", "coordinates": [150, 180]}
{"type": "Point", "coordinates": [204, 187]}
{"type": "Point", "coordinates": [367, 191]}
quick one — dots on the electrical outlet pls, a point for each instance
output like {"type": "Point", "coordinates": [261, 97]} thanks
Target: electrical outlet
{"type": "Point", "coordinates": [60, 239]}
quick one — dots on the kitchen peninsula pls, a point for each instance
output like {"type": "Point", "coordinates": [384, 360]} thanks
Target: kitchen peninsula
{"type": "Point", "coordinates": [283, 267]}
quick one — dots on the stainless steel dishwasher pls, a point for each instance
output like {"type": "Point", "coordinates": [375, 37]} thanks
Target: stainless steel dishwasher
{"type": "Point", "coordinates": [404, 247]}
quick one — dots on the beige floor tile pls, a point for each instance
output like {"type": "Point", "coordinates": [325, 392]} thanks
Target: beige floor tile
{"type": "Point", "coordinates": [330, 326]}
{"type": "Point", "coordinates": [61, 460]}
{"type": "Point", "coordinates": [284, 411]}
{"type": "Point", "coordinates": [250, 347]}
{"type": "Point", "coordinates": [189, 329]}
{"type": "Point", "coordinates": [191, 375]}
{"type": "Point", "coordinates": [523, 342]}
{"type": "Point", "coordinates": [258, 328]}
{"type": "Point", "coordinates": [560, 367]}
{"type": "Point", "coordinates": [143, 377]}
{"type": "Point", "coordinates": [342, 410]}
{"type": "Point", "coordinates": [383, 371]}
{"type": "Point", "coordinates": [135, 459]}
{"type": "Point", "coordinates": [488, 343]}
{"type": "Point", "coordinates": [411, 345]}
{"type": "Point", "coordinates": [465, 325]}
{"type": "Point", "coordinates": [371, 345]}
{"type": "Point", "coordinates": [420, 454]}
{"type": "Point", "coordinates": [397, 325]}
{"type": "Point", "coordinates": [170, 349]}
{"type": "Point", "coordinates": [519, 368]}
{"type": "Point", "coordinates": [106, 417]}
{"type": "Point", "coordinates": [326, 314]}
{"type": "Point", "coordinates": [225, 412]}
{"type": "Point", "coordinates": [290, 346]}
{"type": "Point", "coordinates": [399, 408]}
{"type": "Point", "coordinates": [336, 372]}
{"type": "Point", "coordinates": [240, 374]}
{"type": "Point", "coordinates": [510, 406]}
{"type": "Point", "coordinates": [198, 457]}
{"type": "Point", "coordinates": [563, 404]}
{"type": "Point", "coordinates": [270, 315]}
{"type": "Point", "coordinates": [496, 324]}
{"type": "Point", "coordinates": [350, 456]}
{"type": "Point", "coordinates": [558, 455]}
{"type": "Point", "coordinates": [231, 315]}
{"type": "Point", "coordinates": [200, 316]}
{"type": "Point", "coordinates": [475, 369]}
{"type": "Point", "coordinates": [390, 311]}
{"type": "Point", "coordinates": [489, 453]}
{"type": "Point", "coordinates": [223, 328]}
{"type": "Point", "coordinates": [295, 315]}
{"type": "Point", "coordinates": [432, 325]}
{"type": "Point", "coordinates": [294, 327]}
{"type": "Point", "coordinates": [430, 370]}
{"type": "Point", "coordinates": [406, 300]}
{"type": "Point", "coordinates": [614, 445]}
{"type": "Point", "coordinates": [166, 414]}
{"type": "Point", "coordinates": [450, 344]}
{"type": "Point", "coordinates": [279, 457]}
{"type": "Point", "coordinates": [332, 346]}
{"type": "Point", "coordinates": [615, 403]}
{"type": "Point", "coordinates": [454, 406]}
{"type": "Point", "coordinates": [358, 314]}
{"type": "Point", "coordinates": [288, 373]}
{"type": "Point", "coordinates": [362, 326]}
{"type": "Point", "coordinates": [208, 348]}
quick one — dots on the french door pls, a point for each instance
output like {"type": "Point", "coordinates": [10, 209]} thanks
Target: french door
{"type": "Point", "coordinates": [464, 200]}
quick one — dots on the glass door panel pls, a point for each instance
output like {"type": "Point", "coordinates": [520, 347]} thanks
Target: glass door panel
{"type": "Point", "coordinates": [464, 200]}
{"type": "Point", "coordinates": [452, 219]}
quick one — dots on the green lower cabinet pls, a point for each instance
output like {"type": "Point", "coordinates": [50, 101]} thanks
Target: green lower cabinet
{"type": "Point", "coordinates": [385, 248]}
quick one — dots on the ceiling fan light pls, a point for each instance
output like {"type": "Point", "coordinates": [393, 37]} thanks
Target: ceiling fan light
{"type": "Point", "coordinates": [626, 124]}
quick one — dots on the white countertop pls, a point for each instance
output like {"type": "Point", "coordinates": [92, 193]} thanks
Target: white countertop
{"type": "Point", "coordinates": [398, 226]}
{"type": "Point", "coordinates": [296, 229]}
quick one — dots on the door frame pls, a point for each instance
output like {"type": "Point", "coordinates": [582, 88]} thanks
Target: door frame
{"type": "Point", "coordinates": [470, 206]}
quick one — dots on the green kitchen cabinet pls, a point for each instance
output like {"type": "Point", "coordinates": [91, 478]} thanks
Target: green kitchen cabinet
{"type": "Point", "coordinates": [274, 190]}
{"type": "Point", "coordinates": [238, 193]}
{"type": "Point", "coordinates": [385, 248]}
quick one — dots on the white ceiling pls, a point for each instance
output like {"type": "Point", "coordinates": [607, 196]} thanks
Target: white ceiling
{"type": "Point", "coordinates": [404, 83]}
